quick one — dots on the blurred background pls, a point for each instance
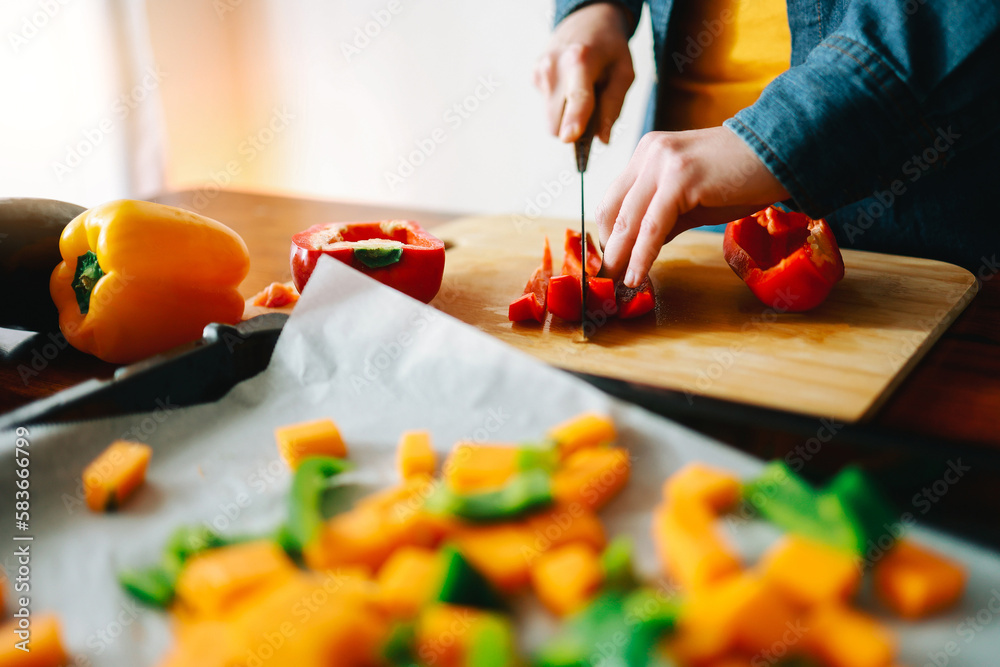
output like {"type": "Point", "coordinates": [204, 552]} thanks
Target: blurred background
{"type": "Point", "coordinates": [398, 102]}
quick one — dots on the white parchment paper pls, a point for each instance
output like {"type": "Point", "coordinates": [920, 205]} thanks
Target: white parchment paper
{"type": "Point", "coordinates": [378, 363]}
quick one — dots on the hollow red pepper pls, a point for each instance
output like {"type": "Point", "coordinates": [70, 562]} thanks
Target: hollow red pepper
{"type": "Point", "coordinates": [532, 304]}
{"type": "Point", "coordinates": [788, 260]}
{"type": "Point", "coordinates": [397, 253]}
{"type": "Point", "coordinates": [564, 291]}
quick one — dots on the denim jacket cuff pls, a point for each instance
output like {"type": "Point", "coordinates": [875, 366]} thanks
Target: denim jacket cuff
{"type": "Point", "coordinates": [827, 128]}
{"type": "Point", "coordinates": [566, 7]}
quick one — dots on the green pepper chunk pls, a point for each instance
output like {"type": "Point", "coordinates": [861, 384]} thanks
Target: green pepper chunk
{"type": "Point", "coordinates": [399, 646]}
{"type": "Point", "coordinates": [493, 645]}
{"type": "Point", "coordinates": [790, 502]}
{"type": "Point", "coordinates": [153, 586]}
{"type": "Point", "coordinates": [305, 505]}
{"type": "Point", "coordinates": [653, 609]}
{"type": "Point", "coordinates": [186, 541]}
{"type": "Point", "coordinates": [463, 585]}
{"type": "Point", "coordinates": [863, 503]}
{"type": "Point", "coordinates": [617, 564]}
{"type": "Point", "coordinates": [544, 455]}
{"type": "Point", "coordinates": [615, 629]}
{"type": "Point", "coordinates": [523, 494]}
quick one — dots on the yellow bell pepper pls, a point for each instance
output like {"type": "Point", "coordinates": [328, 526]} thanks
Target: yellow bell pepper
{"type": "Point", "coordinates": [139, 278]}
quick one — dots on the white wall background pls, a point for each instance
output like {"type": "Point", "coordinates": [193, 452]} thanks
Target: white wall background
{"type": "Point", "coordinates": [313, 97]}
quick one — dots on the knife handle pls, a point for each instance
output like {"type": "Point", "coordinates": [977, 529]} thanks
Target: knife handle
{"type": "Point", "coordinates": [582, 145]}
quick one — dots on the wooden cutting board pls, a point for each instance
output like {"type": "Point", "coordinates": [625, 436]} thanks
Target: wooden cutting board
{"type": "Point", "coordinates": [709, 335]}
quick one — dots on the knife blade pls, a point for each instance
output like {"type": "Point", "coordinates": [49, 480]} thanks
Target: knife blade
{"type": "Point", "coordinates": [582, 149]}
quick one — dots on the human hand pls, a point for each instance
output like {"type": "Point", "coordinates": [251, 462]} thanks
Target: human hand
{"type": "Point", "coordinates": [676, 181]}
{"type": "Point", "coordinates": [588, 50]}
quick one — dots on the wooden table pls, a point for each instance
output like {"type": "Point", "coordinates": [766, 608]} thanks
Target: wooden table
{"type": "Point", "coordinates": [950, 404]}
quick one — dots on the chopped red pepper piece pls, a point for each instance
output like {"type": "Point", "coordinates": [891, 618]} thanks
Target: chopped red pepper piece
{"type": "Point", "coordinates": [564, 291]}
{"type": "Point", "coordinates": [276, 295]}
{"type": "Point", "coordinates": [398, 253]}
{"type": "Point", "coordinates": [788, 260]}
{"type": "Point", "coordinates": [635, 302]}
{"type": "Point", "coordinates": [573, 260]}
{"type": "Point", "coordinates": [564, 297]}
{"type": "Point", "coordinates": [531, 305]}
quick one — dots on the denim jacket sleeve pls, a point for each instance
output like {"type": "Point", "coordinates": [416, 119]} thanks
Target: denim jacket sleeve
{"type": "Point", "coordinates": [566, 7]}
{"type": "Point", "coordinates": [880, 89]}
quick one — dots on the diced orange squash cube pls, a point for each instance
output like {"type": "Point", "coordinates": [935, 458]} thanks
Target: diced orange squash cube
{"type": "Point", "coordinates": [810, 572]}
{"type": "Point", "coordinates": [915, 582]}
{"type": "Point", "coordinates": [312, 619]}
{"type": "Point", "coordinates": [368, 533]}
{"type": "Point", "coordinates": [112, 477]}
{"type": "Point", "coordinates": [473, 467]}
{"type": "Point", "coordinates": [200, 640]}
{"type": "Point", "coordinates": [415, 456]}
{"type": "Point", "coordinates": [445, 633]}
{"type": "Point", "coordinates": [717, 489]}
{"type": "Point", "coordinates": [45, 644]}
{"type": "Point", "coordinates": [213, 581]}
{"type": "Point", "coordinates": [320, 437]}
{"type": "Point", "coordinates": [690, 549]}
{"type": "Point", "coordinates": [408, 580]}
{"type": "Point", "coordinates": [742, 612]}
{"type": "Point", "coordinates": [591, 477]}
{"type": "Point", "coordinates": [292, 622]}
{"type": "Point", "coordinates": [563, 524]}
{"type": "Point", "coordinates": [410, 494]}
{"type": "Point", "coordinates": [843, 637]}
{"type": "Point", "coordinates": [583, 432]}
{"type": "Point", "coordinates": [501, 552]}
{"type": "Point", "coordinates": [566, 578]}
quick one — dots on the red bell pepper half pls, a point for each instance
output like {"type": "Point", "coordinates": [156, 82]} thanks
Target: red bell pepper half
{"type": "Point", "coordinates": [788, 260]}
{"type": "Point", "coordinates": [532, 304]}
{"type": "Point", "coordinates": [397, 253]}
{"type": "Point", "coordinates": [564, 290]}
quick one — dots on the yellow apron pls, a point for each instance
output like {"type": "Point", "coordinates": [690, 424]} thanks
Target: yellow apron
{"type": "Point", "coordinates": [722, 53]}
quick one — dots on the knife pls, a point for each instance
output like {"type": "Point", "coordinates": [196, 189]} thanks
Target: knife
{"type": "Point", "coordinates": [193, 373]}
{"type": "Point", "coordinates": [582, 148]}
